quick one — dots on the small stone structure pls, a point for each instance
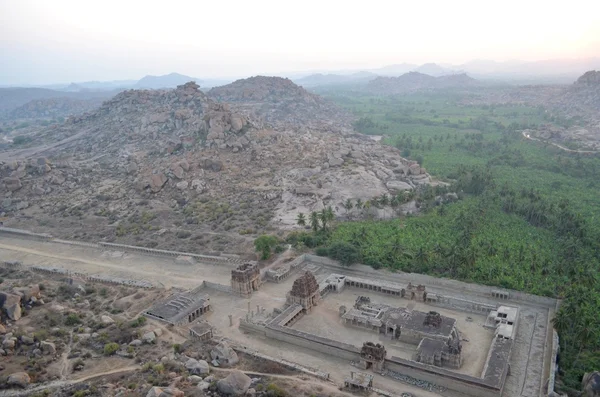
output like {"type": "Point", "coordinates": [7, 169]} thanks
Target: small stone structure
{"type": "Point", "coordinates": [359, 381]}
{"type": "Point", "coordinates": [417, 292]}
{"type": "Point", "coordinates": [245, 279]}
{"type": "Point", "coordinates": [372, 356]}
{"type": "Point", "coordinates": [181, 308]}
{"type": "Point", "coordinates": [305, 292]}
{"type": "Point", "coordinates": [439, 353]}
{"type": "Point", "coordinates": [202, 332]}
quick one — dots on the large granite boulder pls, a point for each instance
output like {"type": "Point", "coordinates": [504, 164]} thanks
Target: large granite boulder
{"type": "Point", "coordinates": [164, 392]}
{"type": "Point", "coordinates": [235, 384]}
{"type": "Point", "coordinates": [20, 379]}
{"type": "Point", "coordinates": [224, 355]}
{"type": "Point", "coordinates": [157, 181]}
{"type": "Point", "coordinates": [197, 367]}
{"type": "Point", "coordinates": [12, 183]}
{"type": "Point", "coordinates": [11, 303]}
{"type": "Point", "coordinates": [591, 384]}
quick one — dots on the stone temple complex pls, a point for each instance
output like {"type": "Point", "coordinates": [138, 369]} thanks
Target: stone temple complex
{"type": "Point", "coordinates": [407, 334]}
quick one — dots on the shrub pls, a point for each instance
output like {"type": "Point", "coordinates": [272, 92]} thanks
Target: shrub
{"type": "Point", "coordinates": [275, 391]}
{"type": "Point", "coordinates": [72, 319]}
{"type": "Point", "coordinates": [346, 253]}
{"type": "Point", "coordinates": [183, 234]}
{"type": "Point", "coordinates": [20, 140]}
{"type": "Point", "coordinates": [177, 348]}
{"type": "Point", "coordinates": [130, 349]}
{"type": "Point", "coordinates": [138, 322]}
{"type": "Point", "coordinates": [110, 348]}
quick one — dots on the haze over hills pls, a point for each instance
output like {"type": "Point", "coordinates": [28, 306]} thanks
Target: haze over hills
{"type": "Point", "coordinates": [415, 81]}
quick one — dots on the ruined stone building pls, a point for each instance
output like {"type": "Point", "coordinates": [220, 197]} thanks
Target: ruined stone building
{"type": "Point", "coordinates": [372, 356]}
{"type": "Point", "coordinates": [436, 335]}
{"type": "Point", "coordinates": [202, 332]}
{"type": "Point", "coordinates": [245, 279]}
{"type": "Point", "coordinates": [305, 292]}
{"type": "Point", "coordinates": [359, 381]}
{"type": "Point", "coordinates": [439, 353]}
{"type": "Point", "coordinates": [417, 292]}
{"type": "Point", "coordinates": [181, 308]}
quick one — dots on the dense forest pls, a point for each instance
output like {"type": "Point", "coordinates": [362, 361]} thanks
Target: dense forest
{"type": "Point", "coordinates": [515, 214]}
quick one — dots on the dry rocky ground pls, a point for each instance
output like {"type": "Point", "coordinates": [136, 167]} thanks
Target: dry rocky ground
{"type": "Point", "coordinates": [78, 339]}
{"type": "Point", "coordinates": [176, 169]}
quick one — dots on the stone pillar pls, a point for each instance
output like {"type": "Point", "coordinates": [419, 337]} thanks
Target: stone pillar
{"type": "Point", "coordinates": [257, 309]}
{"type": "Point", "coordinates": [249, 309]}
{"type": "Point", "coordinates": [230, 320]}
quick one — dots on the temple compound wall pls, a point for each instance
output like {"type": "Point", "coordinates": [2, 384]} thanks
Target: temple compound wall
{"type": "Point", "coordinates": [246, 279]}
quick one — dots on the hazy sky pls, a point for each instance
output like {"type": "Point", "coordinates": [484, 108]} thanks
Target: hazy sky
{"type": "Point", "coordinates": [50, 41]}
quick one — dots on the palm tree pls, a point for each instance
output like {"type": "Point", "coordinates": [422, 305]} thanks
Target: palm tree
{"type": "Point", "coordinates": [323, 218]}
{"type": "Point", "coordinates": [330, 214]}
{"type": "Point", "coordinates": [384, 200]}
{"type": "Point", "coordinates": [359, 204]}
{"type": "Point", "coordinates": [301, 219]}
{"type": "Point", "coordinates": [348, 205]}
{"type": "Point", "coordinates": [314, 220]}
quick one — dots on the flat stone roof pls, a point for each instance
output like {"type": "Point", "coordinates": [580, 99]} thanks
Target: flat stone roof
{"type": "Point", "coordinates": [498, 360]}
{"type": "Point", "coordinates": [179, 306]}
{"type": "Point", "coordinates": [430, 347]}
{"type": "Point", "coordinates": [415, 320]}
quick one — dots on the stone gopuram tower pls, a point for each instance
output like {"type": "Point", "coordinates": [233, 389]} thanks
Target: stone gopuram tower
{"type": "Point", "coordinates": [245, 279]}
{"type": "Point", "coordinates": [372, 355]}
{"type": "Point", "coordinates": [305, 292]}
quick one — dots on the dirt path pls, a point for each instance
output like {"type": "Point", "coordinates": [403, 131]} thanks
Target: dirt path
{"type": "Point", "coordinates": [527, 136]}
{"type": "Point", "coordinates": [63, 383]}
{"type": "Point", "coordinates": [129, 269]}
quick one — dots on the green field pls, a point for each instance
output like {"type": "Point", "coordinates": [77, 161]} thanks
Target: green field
{"type": "Point", "coordinates": [527, 218]}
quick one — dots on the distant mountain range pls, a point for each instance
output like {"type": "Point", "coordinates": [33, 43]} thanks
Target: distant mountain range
{"type": "Point", "coordinates": [170, 80]}
{"type": "Point", "coordinates": [415, 81]}
{"type": "Point", "coordinates": [557, 71]}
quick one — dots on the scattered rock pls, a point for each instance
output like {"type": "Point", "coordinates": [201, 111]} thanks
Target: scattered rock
{"type": "Point", "coordinates": [20, 379]}
{"type": "Point", "coordinates": [48, 347]}
{"type": "Point", "coordinates": [197, 367]}
{"type": "Point", "coordinates": [181, 185]}
{"type": "Point", "coordinates": [11, 305]}
{"type": "Point", "coordinates": [157, 181]}
{"type": "Point", "coordinates": [27, 340]}
{"type": "Point", "coordinates": [12, 184]}
{"type": "Point", "coordinates": [224, 355]}
{"type": "Point", "coordinates": [107, 320]}
{"type": "Point", "coordinates": [149, 337]}
{"type": "Point", "coordinates": [236, 384]}
{"type": "Point", "coordinates": [203, 385]}
{"type": "Point", "coordinates": [135, 342]}
{"type": "Point", "coordinates": [164, 392]}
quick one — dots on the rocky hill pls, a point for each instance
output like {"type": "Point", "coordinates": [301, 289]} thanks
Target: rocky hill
{"type": "Point", "coordinates": [582, 98]}
{"type": "Point", "coordinates": [418, 82]}
{"type": "Point", "coordinates": [12, 99]}
{"type": "Point", "coordinates": [282, 104]}
{"type": "Point", "coordinates": [51, 108]}
{"type": "Point", "coordinates": [174, 168]}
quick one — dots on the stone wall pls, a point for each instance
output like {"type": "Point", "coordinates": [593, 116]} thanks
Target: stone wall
{"type": "Point", "coordinates": [462, 383]}
{"type": "Point", "coordinates": [458, 286]}
{"type": "Point", "coordinates": [90, 278]}
{"type": "Point", "coordinates": [209, 259]}
{"type": "Point", "coordinates": [218, 287]}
